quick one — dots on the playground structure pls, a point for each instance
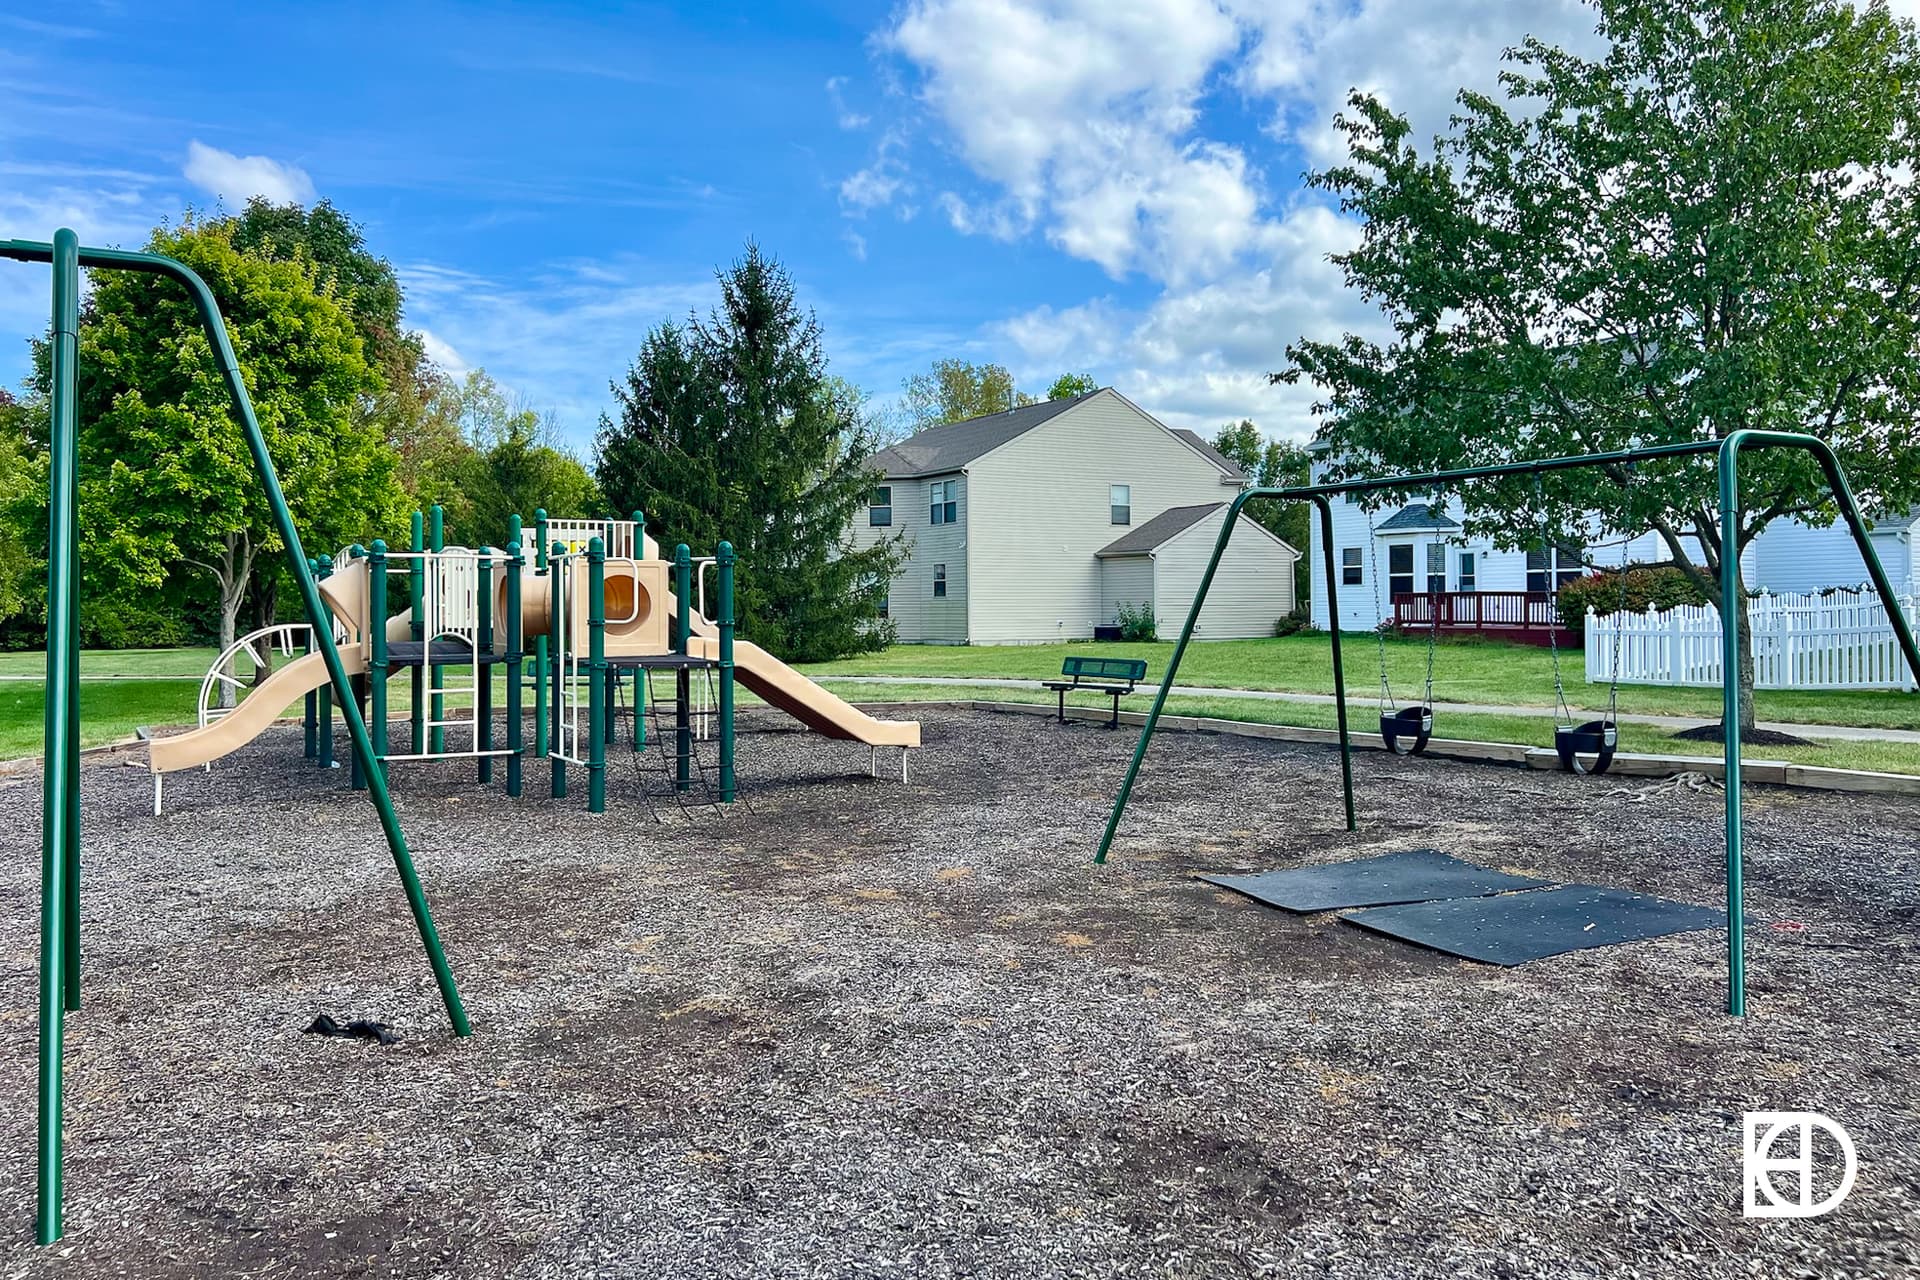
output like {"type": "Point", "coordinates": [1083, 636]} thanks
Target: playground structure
{"type": "Point", "coordinates": [471, 609]}
{"type": "Point", "coordinates": [594, 605]}
{"type": "Point", "coordinates": [1595, 737]}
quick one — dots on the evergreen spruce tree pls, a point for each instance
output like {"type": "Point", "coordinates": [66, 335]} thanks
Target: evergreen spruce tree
{"type": "Point", "coordinates": [730, 428]}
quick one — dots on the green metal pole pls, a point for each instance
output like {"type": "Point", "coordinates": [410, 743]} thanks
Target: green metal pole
{"type": "Point", "coordinates": [516, 731]}
{"type": "Point", "coordinates": [596, 676]}
{"type": "Point", "coordinates": [724, 557]}
{"type": "Point", "coordinates": [436, 543]}
{"type": "Point", "coordinates": [229, 366]}
{"type": "Point", "coordinates": [642, 685]}
{"type": "Point", "coordinates": [683, 682]}
{"type": "Point", "coordinates": [483, 667]}
{"type": "Point", "coordinates": [1173, 666]}
{"type": "Point", "coordinates": [1730, 724]}
{"type": "Point", "coordinates": [325, 745]}
{"type": "Point", "coordinates": [311, 720]}
{"type": "Point", "coordinates": [357, 690]}
{"type": "Point", "coordinates": [1339, 665]}
{"type": "Point", "coordinates": [377, 658]}
{"type": "Point", "coordinates": [58, 779]}
{"type": "Point", "coordinates": [563, 631]}
{"type": "Point", "coordinates": [417, 628]}
{"type": "Point", "coordinates": [542, 645]}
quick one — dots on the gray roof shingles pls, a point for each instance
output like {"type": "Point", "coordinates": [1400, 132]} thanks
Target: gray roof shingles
{"type": "Point", "coordinates": [953, 445]}
{"type": "Point", "coordinates": [1417, 515]}
{"type": "Point", "coordinates": [1161, 529]}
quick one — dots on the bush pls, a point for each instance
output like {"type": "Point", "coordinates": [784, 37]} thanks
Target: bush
{"type": "Point", "coordinates": [1661, 587]}
{"type": "Point", "coordinates": [1294, 623]}
{"type": "Point", "coordinates": [1136, 621]}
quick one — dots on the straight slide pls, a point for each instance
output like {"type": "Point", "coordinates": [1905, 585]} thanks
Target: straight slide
{"type": "Point", "coordinates": [781, 686]}
{"type": "Point", "coordinates": [255, 714]}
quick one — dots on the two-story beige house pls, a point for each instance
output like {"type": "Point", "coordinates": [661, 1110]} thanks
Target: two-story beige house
{"type": "Point", "coordinates": [1037, 524]}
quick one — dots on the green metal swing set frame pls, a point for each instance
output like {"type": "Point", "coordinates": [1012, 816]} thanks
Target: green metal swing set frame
{"type": "Point", "coordinates": [1726, 452]}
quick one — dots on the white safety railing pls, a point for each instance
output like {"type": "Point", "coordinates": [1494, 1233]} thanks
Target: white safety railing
{"type": "Point", "coordinates": [285, 638]}
{"type": "Point", "coordinates": [1836, 640]}
{"type": "Point", "coordinates": [620, 538]}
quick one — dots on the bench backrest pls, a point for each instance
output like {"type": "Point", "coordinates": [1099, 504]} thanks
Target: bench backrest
{"type": "Point", "coordinates": [1128, 669]}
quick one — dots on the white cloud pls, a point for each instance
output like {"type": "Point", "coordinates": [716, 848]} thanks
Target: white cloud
{"type": "Point", "coordinates": [843, 114]}
{"type": "Point", "coordinates": [559, 334]}
{"type": "Point", "coordinates": [239, 178]}
{"type": "Point", "coordinates": [1086, 122]}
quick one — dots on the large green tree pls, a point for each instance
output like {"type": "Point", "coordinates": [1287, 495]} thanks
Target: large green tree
{"type": "Point", "coordinates": [953, 390]}
{"type": "Point", "coordinates": [731, 428]}
{"type": "Point", "coordinates": [1273, 464]}
{"type": "Point", "coordinates": [1710, 226]}
{"type": "Point", "coordinates": [167, 487]}
{"type": "Point", "coordinates": [515, 466]}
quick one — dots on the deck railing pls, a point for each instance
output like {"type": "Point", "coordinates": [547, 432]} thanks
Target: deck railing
{"type": "Point", "coordinates": [1530, 617]}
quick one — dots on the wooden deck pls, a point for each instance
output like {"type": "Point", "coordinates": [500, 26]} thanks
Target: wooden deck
{"type": "Point", "coordinates": [1524, 617]}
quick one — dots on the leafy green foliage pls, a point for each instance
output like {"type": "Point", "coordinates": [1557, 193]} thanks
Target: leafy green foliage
{"type": "Point", "coordinates": [730, 428]}
{"type": "Point", "coordinates": [1135, 621]}
{"type": "Point", "coordinates": [1711, 227]}
{"type": "Point", "coordinates": [1273, 464]}
{"type": "Point", "coordinates": [1654, 587]}
{"type": "Point", "coordinates": [954, 390]}
{"type": "Point", "coordinates": [1069, 386]}
{"type": "Point", "coordinates": [167, 486]}
{"type": "Point", "coordinates": [513, 467]}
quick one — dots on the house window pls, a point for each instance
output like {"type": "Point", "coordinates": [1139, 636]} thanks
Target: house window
{"type": "Point", "coordinates": [1120, 503]}
{"type": "Point", "coordinates": [944, 508]}
{"type": "Point", "coordinates": [1551, 568]}
{"type": "Point", "coordinates": [880, 507]}
{"type": "Point", "coordinates": [1399, 570]}
{"type": "Point", "coordinates": [939, 582]}
{"type": "Point", "coordinates": [1436, 567]}
{"type": "Point", "coordinates": [1350, 566]}
{"type": "Point", "coordinates": [1467, 568]}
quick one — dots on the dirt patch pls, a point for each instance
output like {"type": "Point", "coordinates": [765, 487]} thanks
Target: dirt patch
{"type": "Point", "coordinates": [852, 1027]}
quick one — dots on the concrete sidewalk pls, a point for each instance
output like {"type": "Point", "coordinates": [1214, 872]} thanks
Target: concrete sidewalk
{"type": "Point", "coordinates": [1836, 732]}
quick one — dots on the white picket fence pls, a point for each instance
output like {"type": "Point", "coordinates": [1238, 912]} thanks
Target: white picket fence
{"type": "Point", "coordinates": [1840, 640]}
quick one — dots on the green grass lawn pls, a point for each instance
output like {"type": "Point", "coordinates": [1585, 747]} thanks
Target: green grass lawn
{"type": "Point", "coordinates": [1464, 671]}
{"type": "Point", "coordinates": [1532, 730]}
{"type": "Point", "coordinates": [108, 710]}
{"type": "Point", "coordinates": [126, 664]}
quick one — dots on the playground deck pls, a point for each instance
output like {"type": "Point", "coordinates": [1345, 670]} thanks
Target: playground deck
{"type": "Point", "coordinates": [865, 1028]}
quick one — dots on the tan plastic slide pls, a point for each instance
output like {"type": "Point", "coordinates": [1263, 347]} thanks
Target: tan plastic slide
{"type": "Point", "coordinates": [257, 711]}
{"type": "Point", "coordinates": [783, 687]}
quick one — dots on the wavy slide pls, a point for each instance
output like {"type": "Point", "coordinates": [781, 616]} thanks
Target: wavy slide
{"type": "Point", "coordinates": [781, 686]}
{"type": "Point", "coordinates": [256, 713]}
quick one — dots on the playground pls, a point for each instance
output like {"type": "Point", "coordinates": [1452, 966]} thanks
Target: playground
{"type": "Point", "coordinates": [845, 1026]}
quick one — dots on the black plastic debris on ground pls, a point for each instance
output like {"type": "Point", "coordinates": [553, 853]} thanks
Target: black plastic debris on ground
{"type": "Point", "coordinates": [358, 1029]}
{"type": "Point", "coordinates": [1417, 875]}
{"type": "Point", "coordinates": [1515, 928]}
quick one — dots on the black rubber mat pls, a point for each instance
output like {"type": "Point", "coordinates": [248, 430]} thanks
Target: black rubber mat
{"type": "Point", "coordinates": [1515, 928]}
{"type": "Point", "coordinates": [1417, 875]}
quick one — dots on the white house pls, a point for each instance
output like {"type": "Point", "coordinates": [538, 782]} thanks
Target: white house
{"type": "Point", "coordinates": [1407, 548]}
{"type": "Point", "coordinates": [1039, 523]}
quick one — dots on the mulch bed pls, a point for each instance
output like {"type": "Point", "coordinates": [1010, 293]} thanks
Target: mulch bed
{"type": "Point", "coordinates": [858, 1029]}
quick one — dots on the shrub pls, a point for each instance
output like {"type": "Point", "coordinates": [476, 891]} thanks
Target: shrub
{"type": "Point", "coordinates": [1656, 587]}
{"type": "Point", "coordinates": [1136, 621]}
{"type": "Point", "coordinates": [1294, 623]}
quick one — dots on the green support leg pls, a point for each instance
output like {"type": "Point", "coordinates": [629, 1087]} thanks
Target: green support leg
{"type": "Point", "coordinates": [596, 676]}
{"type": "Point", "coordinates": [683, 682]}
{"type": "Point", "coordinates": [483, 670]}
{"type": "Point", "coordinates": [1339, 663]}
{"type": "Point", "coordinates": [60, 783]}
{"type": "Point", "coordinates": [377, 657]}
{"type": "Point", "coordinates": [437, 737]}
{"type": "Point", "coordinates": [724, 564]}
{"type": "Point", "coordinates": [417, 629]}
{"type": "Point", "coordinates": [516, 731]}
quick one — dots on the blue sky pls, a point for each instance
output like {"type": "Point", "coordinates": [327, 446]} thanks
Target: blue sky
{"type": "Point", "coordinates": [1101, 185]}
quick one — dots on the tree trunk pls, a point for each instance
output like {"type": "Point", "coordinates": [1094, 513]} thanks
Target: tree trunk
{"type": "Point", "coordinates": [266, 600]}
{"type": "Point", "coordinates": [231, 594]}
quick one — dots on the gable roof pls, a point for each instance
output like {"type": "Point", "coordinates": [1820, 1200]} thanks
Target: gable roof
{"type": "Point", "coordinates": [1417, 515]}
{"type": "Point", "coordinates": [1894, 524]}
{"type": "Point", "coordinates": [1163, 528]}
{"type": "Point", "coordinates": [953, 445]}
{"type": "Point", "coordinates": [1226, 464]}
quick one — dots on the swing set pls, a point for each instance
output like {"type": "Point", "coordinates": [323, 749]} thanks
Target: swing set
{"type": "Point", "coordinates": [1572, 740]}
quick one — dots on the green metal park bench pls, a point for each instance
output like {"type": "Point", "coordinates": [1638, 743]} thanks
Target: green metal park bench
{"type": "Point", "coordinates": [1115, 677]}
